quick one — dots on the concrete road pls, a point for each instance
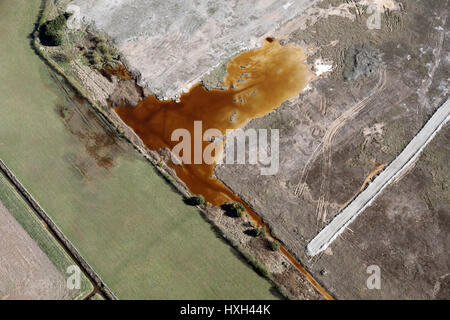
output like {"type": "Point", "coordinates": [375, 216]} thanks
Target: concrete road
{"type": "Point", "coordinates": [404, 160]}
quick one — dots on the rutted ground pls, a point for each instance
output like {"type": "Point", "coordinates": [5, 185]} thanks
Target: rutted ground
{"type": "Point", "coordinates": [404, 232]}
{"type": "Point", "coordinates": [338, 133]}
{"type": "Point", "coordinates": [389, 174]}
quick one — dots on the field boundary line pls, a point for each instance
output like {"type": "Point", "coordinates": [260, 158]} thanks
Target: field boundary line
{"type": "Point", "coordinates": [74, 254]}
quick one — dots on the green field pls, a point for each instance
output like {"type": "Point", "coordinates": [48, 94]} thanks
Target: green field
{"type": "Point", "coordinates": [96, 297]}
{"type": "Point", "coordinates": [129, 225]}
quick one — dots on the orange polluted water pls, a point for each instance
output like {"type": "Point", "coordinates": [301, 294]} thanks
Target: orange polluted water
{"type": "Point", "coordinates": [258, 81]}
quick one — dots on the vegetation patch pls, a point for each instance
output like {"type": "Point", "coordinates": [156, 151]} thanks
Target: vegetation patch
{"type": "Point", "coordinates": [257, 232]}
{"type": "Point", "coordinates": [196, 200]}
{"type": "Point", "coordinates": [274, 245]}
{"type": "Point", "coordinates": [361, 61]}
{"type": "Point", "coordinates": [234, 209]}
{"type": "Point", "coordinates": [51, 32]}
{"type": "Point", "coordinates": [394, 138]}
{"type": "Point", "coordinates": [435, 159]}
{"type": "Point", "coordinates": [216, 78]}
{"type": "Point", "coordinates": [101, 54]}
{"type": "Point", "coordinates": [260, 267]}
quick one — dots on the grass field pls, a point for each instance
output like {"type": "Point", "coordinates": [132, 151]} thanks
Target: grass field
{"type": "Point", "coordinates": [19, 209]}
{"type": "Point", "coordinates": [96, 297]}
{"type": "Point", "coordinates": [129, 225]}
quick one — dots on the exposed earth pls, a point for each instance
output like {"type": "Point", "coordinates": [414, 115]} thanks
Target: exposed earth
{"type": "Point", "coordinates": [34, 276]}
{"type": "Point", "coordinates": [374, 88]}
{"type": "Point", "coordinates": [172, 44]}
{"type": "Point", "coordinates": [339, 132]}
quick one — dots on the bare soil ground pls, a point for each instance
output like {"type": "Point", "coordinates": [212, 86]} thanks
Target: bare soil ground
{"type": "Point", "coordinates": [172, 44]}
{"type": "Point", "coordinates": [337, 133]}
{"type": "Point", "coordinates": [405, 232]}
{"type": "Point", "coordinates": [25, 270]}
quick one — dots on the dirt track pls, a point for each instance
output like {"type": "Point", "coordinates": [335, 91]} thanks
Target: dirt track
{"type": "Point", "coordinates": [402, 163]}
{"type": "Point", "coordinates": [325, 149]}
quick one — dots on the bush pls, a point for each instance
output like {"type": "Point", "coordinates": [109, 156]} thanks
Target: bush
{"type": "Point", "coordinates": [102, 48]}
{"type": "Point", "coordinates": [259, 231]}
{"type": "Point", "coordinates": [237, 209]}
{"type": "Point", "coordinates": [54, 38]}
{"type": "Point", "coordinates": [274, 245]}
{"type": "Point", "coordinates": [261, 269]}
{"type": "Point", "coordinates": [197, 200]}
{"type": "Point", "coordinates": [101, 53]}
{"type": "Point", "coordinates": [51, 32]}
{"type": "Point", "coordinates": [95, 57]}
{"type": "Point", "coordinates": [257, 265]}
{"type": "Point", "coordinates": [108, 58]}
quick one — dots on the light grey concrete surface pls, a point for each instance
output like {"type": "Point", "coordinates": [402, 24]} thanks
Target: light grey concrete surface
{"type": "Point", "coordinates": [398, 166]}
{"type": "Point", "coordinates": [173, 43]}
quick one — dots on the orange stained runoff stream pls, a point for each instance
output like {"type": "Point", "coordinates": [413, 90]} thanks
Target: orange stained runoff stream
{"type": "Point", "coordinates": [257, 82]}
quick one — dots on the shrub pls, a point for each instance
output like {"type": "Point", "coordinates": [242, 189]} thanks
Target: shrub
{"type": "Point", "coordinates": [58, 23]}
{"type": "Point", "coordinates": [274, 245]}
{"type": "Point", "coordinates": [108, 58]}
{"type": "Point", "coordinates": [237, 209]}
{"type": "Point", "coordinates": [257, 265]}
{"type": "Point", "coordinates": [197, 200]}
{"type": "Point", "coordinates": [54, 38]}
{"type": "Point", "coordinates": [51, 32]}
{"type": "Point", "coordinates": [101, 53]}
{"type": "Point", "coordinates": [102, 48]}
{"type": "Point", "coordinates": [261, 269]}
{"type": "Point", "coordinates": [259, 231]}
{"type": "Point", "coordinates": [95, 57]}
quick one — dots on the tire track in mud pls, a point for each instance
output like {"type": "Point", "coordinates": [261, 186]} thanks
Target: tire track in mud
{"type": "Point", "coordinates": [390, 174]}
{"type": "Point", "coordinates": [423, 90]}
{"type": "Point", "coordinates": [324, 149]}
